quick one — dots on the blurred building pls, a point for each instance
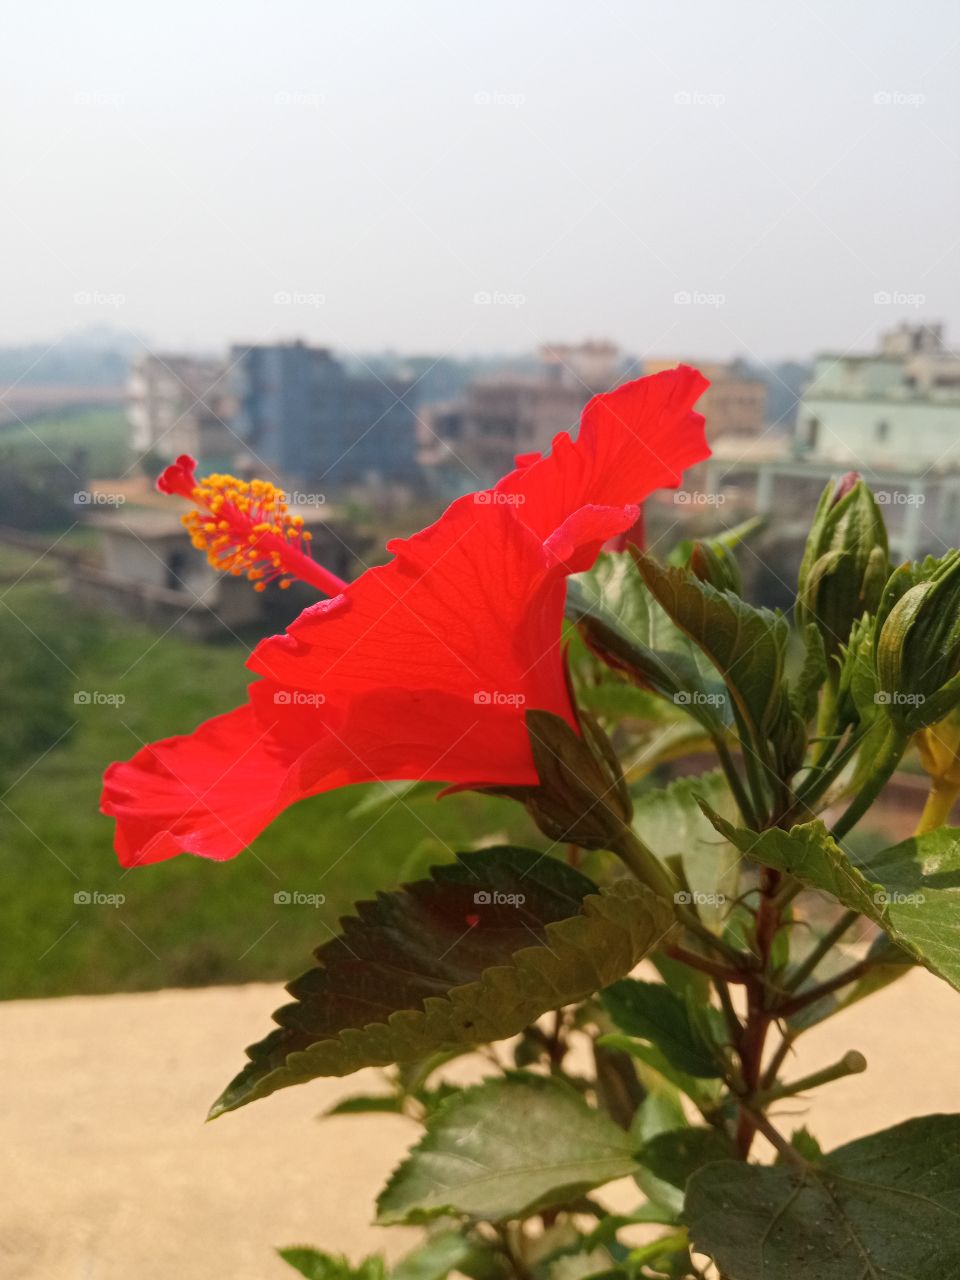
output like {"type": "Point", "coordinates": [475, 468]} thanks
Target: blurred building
{"type": "Point", "coordinates": [734, 404]}
{"type": "Point", "coordinates": [147, 570]}
{"type": "Point", "coordinates": [180, 404]}
{"type": "Point", "coordinates": [303, 416]}
{"type": "Point", "coordinates": [893, 415]}
{"type": "Point", "coordinates": [898, 406]}
{"type": "Point", "coordinates": [471, 442]}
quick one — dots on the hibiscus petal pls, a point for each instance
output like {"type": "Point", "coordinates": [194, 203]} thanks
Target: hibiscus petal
{"type": "Point", "coordinates": [632, 441]}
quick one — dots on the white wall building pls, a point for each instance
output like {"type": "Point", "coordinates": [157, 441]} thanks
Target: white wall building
{"type": "Point", "coordinates": [898, 408]}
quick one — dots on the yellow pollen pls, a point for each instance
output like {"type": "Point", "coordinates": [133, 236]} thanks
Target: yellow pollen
{"type": "Point", "coordinates": [249, 519]}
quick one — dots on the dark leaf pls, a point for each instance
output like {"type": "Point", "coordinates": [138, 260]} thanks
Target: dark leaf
{"type": "Point", "coordinates": [470, 956]}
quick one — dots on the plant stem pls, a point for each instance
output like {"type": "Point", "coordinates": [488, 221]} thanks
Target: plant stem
{"type": "Point", "coordinates": [769, 1077]}
{"type": "Point", "coordinates": [759, 1016]}
{"type": "Point", "coordinates": [734, 1026]}
{"type": "Point", "coordinates": [885, 761]}
{"type": "Point", "coordinates": [851, 1064]}
{"type": "Point", "coordinates": [645, 864]}
{"type": "Point", "coordinates": [777, 1140]}
{"type": "Point", "coordinates": [692, 921]}
{"type": "Point", "coordinates": [936, 811]}
{"type": "Point", "coordinates": [704, 965]}
{"type": "Point", "coordinates": [826, 943]}
{"type": "Point", "coordinates": [735, 782]}
{"type": "Point", "coordinates": [813, 994]}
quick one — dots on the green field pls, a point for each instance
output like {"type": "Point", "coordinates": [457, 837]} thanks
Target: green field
{"type": "Point", "coordinates": [102, 433]}
{"type": "Point", "coordinates": [185, 922]}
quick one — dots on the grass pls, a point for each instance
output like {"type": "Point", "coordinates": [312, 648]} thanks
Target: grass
{"type": "Point", "coordinates": [103, 434]}
{"type": "Point", "coordinates": [185, 922]}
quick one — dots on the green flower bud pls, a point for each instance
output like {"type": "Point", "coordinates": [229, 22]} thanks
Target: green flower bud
{"type": "Point", "coordinates": [582, 797]}
{"type": "Point", "coordinates": [845, 563]}
{"type": "Point", "coordinates": [917, 644]}
{"type": "Point", "coordinates": [715, 563]}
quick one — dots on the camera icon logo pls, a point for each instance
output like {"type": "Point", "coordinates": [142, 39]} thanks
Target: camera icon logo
{"type": "Point", "coordinates": [81, 697]}
{"type": "Point", "coordinates": [282, 697]}
{"type": "Point", "coordinates": [282, 898]}
{"type": "Point", "coordinates": [482, 699]}
{"type": "Point", "coordinates": [482, 898]}
{"type": "Point", "coordinates": [82, 898]}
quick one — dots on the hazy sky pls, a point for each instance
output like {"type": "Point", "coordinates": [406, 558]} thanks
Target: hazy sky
{"type": "Point", "coordinates": [176, 168]}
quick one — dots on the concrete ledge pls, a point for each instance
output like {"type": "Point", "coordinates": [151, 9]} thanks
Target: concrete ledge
{"type": "Point", "coordinates": [112, 1174]}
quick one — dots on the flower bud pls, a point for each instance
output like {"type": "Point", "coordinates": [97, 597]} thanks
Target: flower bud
{"type": "Point", "coordinates": [715, 563]}
{"type": "Point", "coordinates": [582, 797]}
{"type": "Point", "coordinates": [917, 645]}
{"type": "Point", "coordinates": [845, 562]}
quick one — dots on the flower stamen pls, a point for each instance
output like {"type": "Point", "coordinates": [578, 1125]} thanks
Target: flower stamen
{"type": "Point", "coordinates": [246, 528]}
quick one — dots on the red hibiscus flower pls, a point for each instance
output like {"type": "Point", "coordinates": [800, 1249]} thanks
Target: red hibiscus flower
{"type": "Point", "coordinates": [423, 668]}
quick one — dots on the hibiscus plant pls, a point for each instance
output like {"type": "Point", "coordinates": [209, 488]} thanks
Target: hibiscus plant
{"type": "Point", "coordinates": [622, 1000]}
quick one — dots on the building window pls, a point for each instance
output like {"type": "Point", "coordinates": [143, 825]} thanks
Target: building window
{"type": "Point", "coordinates": [881, 432]}
{"type": "Point", "coordinates": [177, 565]}
{"type": "Point", "coordinates": [813, 433]}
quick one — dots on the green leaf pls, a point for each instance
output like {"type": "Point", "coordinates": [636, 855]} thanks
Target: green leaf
{"type": "Point", "coordinates": [912, 889]}
{"type": "Point", "coordinates": [809, 679]}
{"type": "Point", "coordinates": [729, 538]}
{"type": "Point", "coordinates": [505, 1149]}
{"type": "Point", "coordinates": [703, 1092]}
{"type": "Point", "coordinates": [634, 634]}
{"type": "Point", "coordinates": [747, 645]}
{"type": "Point", "coordinates": [886, 1207]}
{"type": "Point", "coordinates": [439, 1255]}
{"type": "Point", "coordinates": [653, 1012]}
{"type": "Point", "coordinates": [363, 1103]}
{"type": "Point", "coordinates": [675, 1156]}
{"type": "Point", "coordinates": [670, 821]}
{"type": "Point", "coordinates": [470, 956]}
{"type": "Point", "coordinates": [805, 1144]}
{"type": "Point", "coordinates": [327, 1266]}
